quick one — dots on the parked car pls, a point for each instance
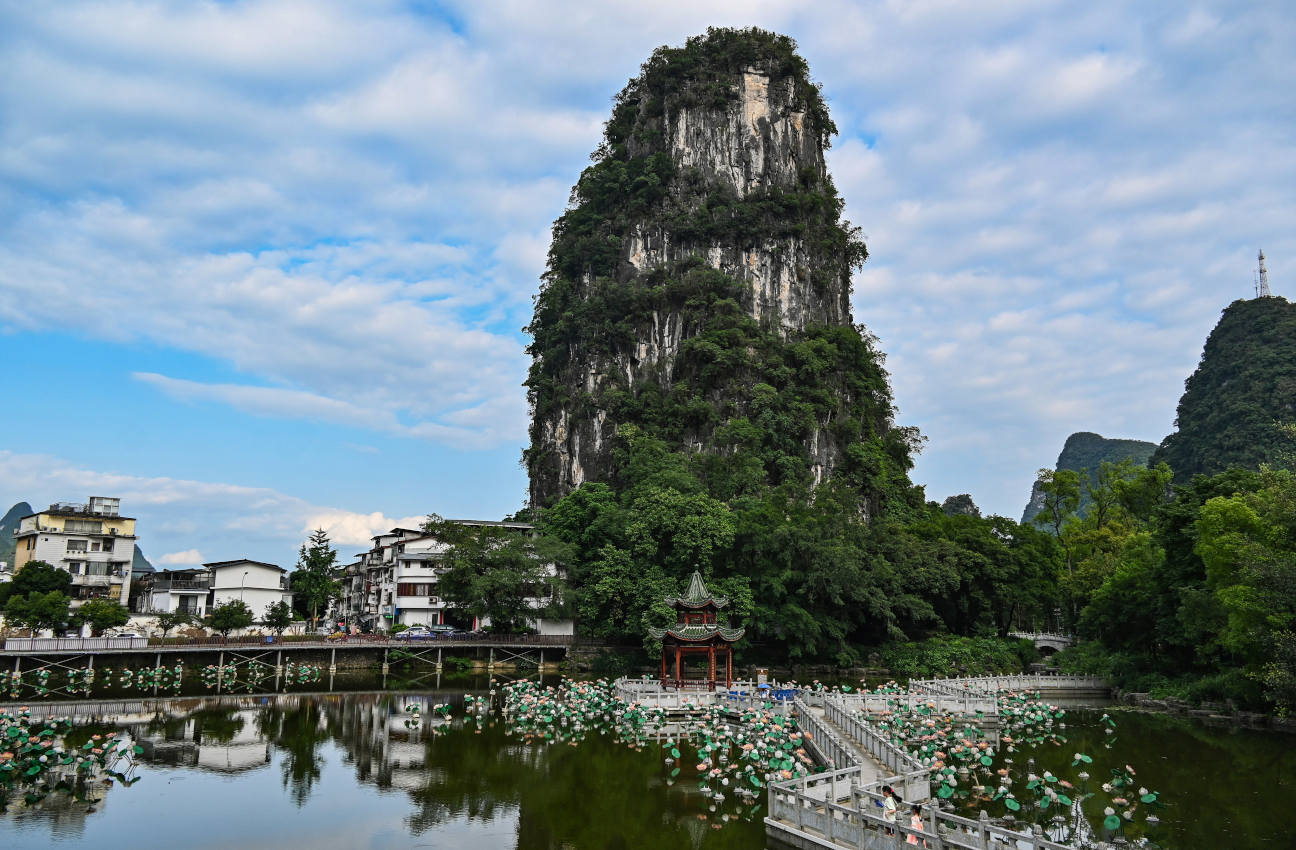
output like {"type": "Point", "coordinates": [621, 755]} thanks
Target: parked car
{"type": "Point", "coordinates": [444, 630]}
{"type": "Point", "coordinates": [414, 633]}
{"type": "Point", "coordinates": [126, 635]}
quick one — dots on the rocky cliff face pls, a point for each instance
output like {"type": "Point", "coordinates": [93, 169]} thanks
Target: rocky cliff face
{"type": "Point", "coordinates": [1085, 450]}
{"type": "Point", "coordinates": [701, 251]}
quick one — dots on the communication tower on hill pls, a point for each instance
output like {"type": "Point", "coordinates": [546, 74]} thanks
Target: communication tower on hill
{"type": "Point", "coordinates": [1262, 280]}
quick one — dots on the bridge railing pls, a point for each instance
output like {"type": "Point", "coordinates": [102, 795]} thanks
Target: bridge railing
{"type": "Point", "coordinates": [995, 684]}
{"type": "Point", "coordinates": [941, 700]}
{"type": "Point", "coordinates": [72, 644]}
{"type": "Point", "coordinates": [287, 641]}
{"type": "Point", "coordinates": [877, 747]}
{"type": "Point", "coordinates": [831, 747]}
{"type": "Point", "coordinates": [813, 806]}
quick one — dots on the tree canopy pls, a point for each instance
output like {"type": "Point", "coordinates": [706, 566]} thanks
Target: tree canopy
{"type": "Point", "coordinates": [312, 583]}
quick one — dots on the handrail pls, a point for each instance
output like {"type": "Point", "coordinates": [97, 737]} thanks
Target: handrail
{"type": "Point", "coordinates": [835, 751]}
{"type": "Point", "coordinates": [994, 684]}
{"type": "Point", "coordinates": [296, 641]}
{"type": "Point", "coordinates": [870, 740]}
{"type": "Point", "coordinates": [799, 805]}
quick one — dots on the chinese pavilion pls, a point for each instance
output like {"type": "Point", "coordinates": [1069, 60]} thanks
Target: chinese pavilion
{"type": "Point", "coordinates": [696, 632]}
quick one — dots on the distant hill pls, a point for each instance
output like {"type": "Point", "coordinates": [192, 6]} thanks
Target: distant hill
{"type": "Point", "coordinates": [7, 527]}
{"type": "Point", "coordinates": [1243, 392]}
{"type": "Point", "coordinates": [140, 564]}
{"type": "Point", "coordinates": [1086, 450]}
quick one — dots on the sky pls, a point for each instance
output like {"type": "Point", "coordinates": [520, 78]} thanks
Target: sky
{"type": "Point", "coordinates": [265, 265]}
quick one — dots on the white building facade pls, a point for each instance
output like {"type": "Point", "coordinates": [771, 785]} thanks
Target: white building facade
{"type": "Point", "coordinates": [170, 591]}
{"type": "Point", "coordinates": [92, 541]}
{"type": "Point", "coordinates": [256, 583]}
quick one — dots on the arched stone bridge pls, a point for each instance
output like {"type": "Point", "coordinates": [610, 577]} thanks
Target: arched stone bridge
{"type": "Point", "coordinates": [1051, 641]}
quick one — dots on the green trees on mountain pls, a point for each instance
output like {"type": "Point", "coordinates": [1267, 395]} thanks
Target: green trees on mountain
{"type": "Point", "coordinates": [1239, 405]}
{"type": "Point", "coordinates": [808, 576]}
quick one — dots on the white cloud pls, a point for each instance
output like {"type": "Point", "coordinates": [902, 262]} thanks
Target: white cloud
{"type": "Point", "coordinates": [187, 557]}
{"type": "Point", "coordinates": [349, 204]}
{"type": "Point", "coordinates": [185, 518]}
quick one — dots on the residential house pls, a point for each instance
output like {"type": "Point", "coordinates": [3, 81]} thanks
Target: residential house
{"type": "Point", "coordinates": [92, 541]}
{"type": "Point", "coordinates": [256, 583]}
{"type": "Point", "coordinates": [174, 590]}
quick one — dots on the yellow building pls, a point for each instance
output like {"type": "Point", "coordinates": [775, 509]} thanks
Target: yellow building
{"type": "Point", "coordinates": [93, 542]}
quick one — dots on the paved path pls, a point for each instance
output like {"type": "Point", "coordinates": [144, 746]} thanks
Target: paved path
{"type": "Point", "coordinates": [872, 771]}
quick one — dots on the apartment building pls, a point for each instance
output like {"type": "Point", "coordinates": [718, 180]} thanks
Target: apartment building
{"type": "Point", "coordinates": [395, 583]}
{"type": "Point", "coordinates": [92, 541]}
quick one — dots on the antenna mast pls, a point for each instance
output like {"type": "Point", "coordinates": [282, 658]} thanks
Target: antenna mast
{"type": "Point", "coordinates": [1262, 285]}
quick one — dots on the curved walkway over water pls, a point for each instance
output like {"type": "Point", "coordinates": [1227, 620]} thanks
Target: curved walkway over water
{"type": "Point", "coordinates": [841, 808]}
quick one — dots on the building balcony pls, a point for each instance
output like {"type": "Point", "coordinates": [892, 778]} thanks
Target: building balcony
{"type": "Point", "coordinates": [182, 586]}
{"type": "Point", "coordinates": [419, 602]}
{"type": "Point", "coordinates": [95, 581]}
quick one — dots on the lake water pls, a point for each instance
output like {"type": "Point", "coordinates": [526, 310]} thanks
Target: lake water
{"type": "Point", "coordinates": [350, 770]}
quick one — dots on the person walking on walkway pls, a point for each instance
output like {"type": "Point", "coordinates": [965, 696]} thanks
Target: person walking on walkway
{"type": "Point", "coordinates": [889, 808]}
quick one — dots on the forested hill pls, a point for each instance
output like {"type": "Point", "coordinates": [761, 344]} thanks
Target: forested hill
{"type": "Point", "coordinates": [1085, 450]}
{"type": "Point", "coordinates": [7, 526]}
{"type": "Point", "coordinates": [703, 399]}
{"type": "Point", "coordinates": [1239, 407]}
{"type": "Point", "coordinates": [698, 290]}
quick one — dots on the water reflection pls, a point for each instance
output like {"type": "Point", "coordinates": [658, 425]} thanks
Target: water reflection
{"type": "Point", "coordinates": [355, 770]}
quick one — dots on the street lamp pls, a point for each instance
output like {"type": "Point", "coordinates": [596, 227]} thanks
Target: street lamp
{"type": "Point", "coordinates": [241, 584]}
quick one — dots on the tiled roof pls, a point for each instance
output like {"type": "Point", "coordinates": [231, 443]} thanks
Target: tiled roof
{"type": "Point", "coordinates": [695, 632]}
{"type": "Point", "coordinates": [697, 595]}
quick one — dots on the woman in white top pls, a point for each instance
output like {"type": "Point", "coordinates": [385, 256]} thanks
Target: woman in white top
{"type": "Point", "coordinates": [889, 808]}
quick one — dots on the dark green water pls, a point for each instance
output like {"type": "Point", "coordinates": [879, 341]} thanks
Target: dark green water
{"type": "Point", "coordinates": [1223, 787]}
{"type": "Point", "coordinates": [344, 770]}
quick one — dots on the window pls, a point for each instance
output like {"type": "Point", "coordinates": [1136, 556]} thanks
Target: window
{"type": "Point", "coordinates": [74, 567]}
{"type": "Point", "coordinates": [105, 545]}
{"type": "Point", "coordinates": [76, 545]}
{"type": "Point", "coordinates": [414, 589]}
{"type": "Point", "coordinates": [83, 526]}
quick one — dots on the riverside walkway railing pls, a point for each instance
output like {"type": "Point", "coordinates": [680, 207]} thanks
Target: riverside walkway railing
{"type": "Point", "coordinates": [994, 684]}
{"type": "Point", "coordinates": [361, 641]}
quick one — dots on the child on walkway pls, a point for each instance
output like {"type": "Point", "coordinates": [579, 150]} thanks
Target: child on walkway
{"type": "Point", "coordinates": [915, 822]}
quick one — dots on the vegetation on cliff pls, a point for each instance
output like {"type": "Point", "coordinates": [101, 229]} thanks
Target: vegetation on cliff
{"type": "Point", "coordinates": [1084, 453]}
{"type": "Point", "coordinates": [1239, 407]}
{"type": "Point", "coordinates": [754, 393]}
{"type": "Point", "coordinates": [754, 437]}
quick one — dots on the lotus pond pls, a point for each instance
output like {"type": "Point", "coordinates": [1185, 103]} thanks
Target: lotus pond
{"type": "Point", "coordinates": [434, 768]}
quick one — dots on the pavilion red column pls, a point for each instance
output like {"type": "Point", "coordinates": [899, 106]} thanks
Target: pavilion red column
{"type": "Point", "coordinates": [711, 660]}
{"type": "Point", "coordinates": [663, 675]}
{"type": "Point", "coordinates": [677, 669]}
{"type": "Point", "coordinates": [729, 669]}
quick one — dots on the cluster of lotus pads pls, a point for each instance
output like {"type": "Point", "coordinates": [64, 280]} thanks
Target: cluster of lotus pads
{"type": "Point", "coordinates": [37, 758]}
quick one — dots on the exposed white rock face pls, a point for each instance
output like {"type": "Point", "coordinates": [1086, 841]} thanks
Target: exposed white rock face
{"type": "Point", "coordinates": [759, 141]}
